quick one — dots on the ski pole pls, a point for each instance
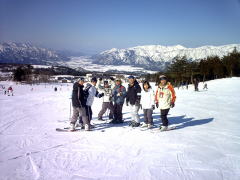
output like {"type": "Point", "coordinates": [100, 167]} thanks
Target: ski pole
{"type": "Point", "coordinates": [70, 114]}
{"type": "Point", "coordinates": [107, 114]}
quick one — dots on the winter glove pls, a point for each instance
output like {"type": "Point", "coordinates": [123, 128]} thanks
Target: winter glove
{"type": "Point", "coordinates": [153, 107]}
{"type": "Point", "coordinates": [119, 94]}
{"type": "Point", "coordinates": [172, 104]}
{"type": "Point", "coordinates": [157, 106]}
{"type": "Point", "coordinates": [101, 95]}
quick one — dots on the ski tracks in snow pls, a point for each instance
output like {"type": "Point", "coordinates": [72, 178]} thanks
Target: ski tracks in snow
{"type": "Point", "coordinates": [34, 167]}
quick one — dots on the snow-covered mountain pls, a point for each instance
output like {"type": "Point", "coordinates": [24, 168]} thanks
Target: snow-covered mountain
{"type": "Point", "coordinates": [26, 53]}
{"type": "Point", "coordinates": [152, 55]}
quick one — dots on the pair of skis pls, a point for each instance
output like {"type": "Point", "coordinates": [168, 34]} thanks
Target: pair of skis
{"type": "Point", "coordinates": [67, 129]}
{"type": "Point", "coordinates": [153, 129]}
{"type": "Point", "coordinates": [78, 129]}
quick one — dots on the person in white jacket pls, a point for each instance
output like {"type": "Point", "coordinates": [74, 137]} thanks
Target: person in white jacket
{"type": "Point", "coordinates": [165, 99]}
{"type": "Point", "coordinates": [147, 104]}
{"type": "Point", "coordinates": [105, 91]}
{"type": "Point", "coordinates": [90, 92]}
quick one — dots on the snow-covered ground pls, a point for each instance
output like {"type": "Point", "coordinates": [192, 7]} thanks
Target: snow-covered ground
{"type": "Point", "coordinates": [86, 63]}
{"type": "Point", "coordinates": [206, 144]}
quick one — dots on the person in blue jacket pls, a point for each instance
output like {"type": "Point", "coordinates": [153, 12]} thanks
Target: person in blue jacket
{"type": "Point", "coordinates": [118, 94]}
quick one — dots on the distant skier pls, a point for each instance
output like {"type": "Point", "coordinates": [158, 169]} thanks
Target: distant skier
{"type": "Point", "coordinates": [133, 100]}
{"type": "Point", "coordinates": [187, 85]}
{"type": "Point", "coordinates": [205, 86]}
{"type": "Point", "coordinates": [105, 91]}
{"type": "Point", "coordinates": [147, 104]}
{"type": "Point", "coordinates": [195, 83]}
{"type": "Point", "coordinates": [182, 85]}
{"type": "Point", "coordinates": [55, 89]}
{"type": "Point", "coordinates": [10, 91]}
{"type": "Point", "coordinates": [4, 89]}
{"type": "Point", "coordinates": [79, 105]}
{"type": "Point", "coordinates": [119, 94]}
{"type": "Point", "coordinates": [165, 99]}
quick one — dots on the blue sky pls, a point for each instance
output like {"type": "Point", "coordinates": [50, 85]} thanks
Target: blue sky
{"type": "Point", "coordinates": [92, 26]}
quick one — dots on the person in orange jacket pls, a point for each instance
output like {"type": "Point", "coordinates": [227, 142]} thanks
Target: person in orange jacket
{"type": "Point", "coordinates": [165, 99]}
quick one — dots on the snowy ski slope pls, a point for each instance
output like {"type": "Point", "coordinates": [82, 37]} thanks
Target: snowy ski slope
{"type": "Point", "coordinates": [206, 144]}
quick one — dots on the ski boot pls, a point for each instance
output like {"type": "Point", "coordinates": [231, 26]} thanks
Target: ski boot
{"type": "Point", "coordinates": [87, 127]}
{"type": "Point", "coordinates": [80, 125]}
{"type": "Point", "coordinates": [135, 124]}
{"type": "Point", "coordinates": [163, 128]}
{"type": "Point", "coordinates": [144, 125]}
{"type": "Point", "coordinates": [150, 126]}
{"type": "Point", "coordinates": [72, 127]}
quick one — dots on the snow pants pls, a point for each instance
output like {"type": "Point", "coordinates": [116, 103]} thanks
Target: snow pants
{"type": "Point", "coordinates": [134, 113]}
{"type": "Point", "coordinates": [148, 116]}
{"type": "Point", "coordinates": [164, 113]}
{"type": "Point", "coordinates": [105, 106]}
{"type": "Point", "coordinates": [79, 112]}
{"type": "Point", "coordinates": [117, 112]}
{"type": "Point", "coordinates": [88, 110]}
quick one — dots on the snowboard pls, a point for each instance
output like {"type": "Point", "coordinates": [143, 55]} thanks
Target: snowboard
{"type": "Point", "coordinates": [168, 129]}
{"type": "Point", "coordinates": [156, 129]}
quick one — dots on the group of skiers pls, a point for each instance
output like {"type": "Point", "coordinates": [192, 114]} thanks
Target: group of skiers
{"type": "Point", "coordinates": [114, 95]}
{"type": "Point", "coordinates": [8, 91]}
{"type": "Point", "coordinates": [195, 83]}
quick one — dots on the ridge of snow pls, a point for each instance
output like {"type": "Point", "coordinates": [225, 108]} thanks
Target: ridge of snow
{"type": "Point", "coordinates": [158, 53]}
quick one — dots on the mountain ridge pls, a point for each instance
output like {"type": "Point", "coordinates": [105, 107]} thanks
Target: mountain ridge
{"type": "Point", "coordinates": [158, 55]}
{"type": "Point", "coordinates": [149, 57]}
{"type": "Point", "coordinates": [27, 53]}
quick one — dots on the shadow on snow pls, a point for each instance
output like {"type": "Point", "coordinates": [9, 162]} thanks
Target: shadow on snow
{"type": "Point", "coordinates": [178, 121]}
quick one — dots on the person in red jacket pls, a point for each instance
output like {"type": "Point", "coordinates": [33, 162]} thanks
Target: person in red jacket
{"type": "Point", "coordinates": [165, 99]}
{"type": "Point", "coordinates": [10, 91]}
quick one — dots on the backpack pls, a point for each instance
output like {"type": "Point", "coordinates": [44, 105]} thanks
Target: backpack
{"type": "Point", "coordinates": [86, 91]}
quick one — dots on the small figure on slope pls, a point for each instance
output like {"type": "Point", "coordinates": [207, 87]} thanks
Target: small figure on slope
{"type": "Point", "coordinates": [10, 91]}
{"type": "Point", "coordinates": [205, 86]}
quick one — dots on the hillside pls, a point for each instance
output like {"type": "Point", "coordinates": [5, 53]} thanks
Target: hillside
{"type": "Point", "coordinates": [205, 145]}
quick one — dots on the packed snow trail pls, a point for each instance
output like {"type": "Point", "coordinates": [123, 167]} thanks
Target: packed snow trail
{"type": "Point", "coordinates": [206, 144]}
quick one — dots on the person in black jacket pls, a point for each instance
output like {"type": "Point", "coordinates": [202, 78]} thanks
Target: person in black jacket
{"type": "Point", "coordinates": [133, 100]}
{"type": "Point", "coordinates": [79, 105]}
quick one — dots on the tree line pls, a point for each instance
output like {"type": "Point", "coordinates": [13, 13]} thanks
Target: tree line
{"type": "Point", "coordinates": [32, 75]}
{"type": "Point", "coordinates": [181, 70]}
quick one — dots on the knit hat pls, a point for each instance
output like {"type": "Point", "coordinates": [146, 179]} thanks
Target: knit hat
{"type": "Point", "coordinates": [94, 79]}
{"type": "Point", "coordinates": [118, 80]}
{"type": "Point", "coordinates": [81, 79]}
{"type": "Point", "coordinates": [162, 77]}
{"type": "Point", "coordinates": [131, 77]}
